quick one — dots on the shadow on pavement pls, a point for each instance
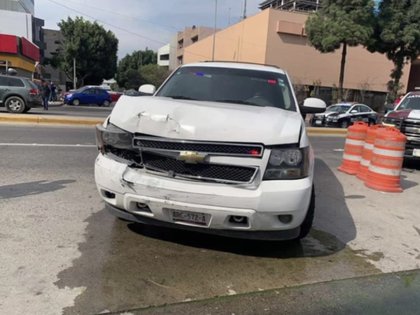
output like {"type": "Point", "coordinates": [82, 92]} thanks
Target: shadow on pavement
{"type": "Point", "coordinates": [125, 265]}
{"type": "Point", "coordinates": [334, 227]}
{"type": "Point", "coordinates": [32, 188]}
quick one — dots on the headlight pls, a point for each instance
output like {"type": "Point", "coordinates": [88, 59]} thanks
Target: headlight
{"type": "Point", "coordinates": [392, 121]}
{"type": "Point", "coordinates": [113, 136]}
{"type": "Point", "coordinates": [287, 163]}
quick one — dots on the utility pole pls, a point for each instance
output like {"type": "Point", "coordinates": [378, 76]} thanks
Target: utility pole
{"type": "Point", "coordinates": [74, 73]}
{"type": "Point", "coordinates": [214, 31]}
{"type": "Point", "coordinates": [244, 16]}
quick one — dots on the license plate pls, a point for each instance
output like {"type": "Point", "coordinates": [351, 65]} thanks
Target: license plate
{"type": "Point", "coordinates": [190, 217]}
{"type": "Point", "coordinates": [318, 122]}
{"type": "Point", "coordinates": [416, 152]}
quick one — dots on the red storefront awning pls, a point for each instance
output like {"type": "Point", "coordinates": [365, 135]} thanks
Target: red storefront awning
{"type": "Point", "coordinates": [29, 50]}
{"type": "Point", "coordinates": [8, 44]}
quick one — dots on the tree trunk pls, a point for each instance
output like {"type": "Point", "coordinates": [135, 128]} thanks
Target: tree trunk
{"type": "Point", "coordinates": [342, 67]}
{"type": "Point", "coordinates": [396, 75]}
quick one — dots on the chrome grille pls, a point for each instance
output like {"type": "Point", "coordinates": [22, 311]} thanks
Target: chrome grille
{"type": "Point", "coordinates": [411, 128]}
{"type": "Point", "coordinates": [213, 148]}
{"type": "Point", "coordinates": [201, 171]}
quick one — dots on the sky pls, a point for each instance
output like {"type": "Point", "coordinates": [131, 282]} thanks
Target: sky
{"type": "Point", "coordinates": [145, 23]}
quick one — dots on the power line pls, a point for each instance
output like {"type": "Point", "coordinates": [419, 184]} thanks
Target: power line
{"type": "Point", "coordinates": [106, 23]}
{"type": "Point", "coordinates": [125, 15]}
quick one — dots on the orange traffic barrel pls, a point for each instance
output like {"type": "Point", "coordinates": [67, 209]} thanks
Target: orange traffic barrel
{"type": "Point", "coordinates": [368, 151]}
{"type": "Point", "coordinates": [353, 148]}
{"type": "Point", "coordinates": [384, 173]}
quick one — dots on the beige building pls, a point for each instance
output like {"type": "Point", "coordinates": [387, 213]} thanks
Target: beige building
{"type": "Point", "coordinates": [184, 39]}
{"type": "Point", "coordinates": [278, 37]}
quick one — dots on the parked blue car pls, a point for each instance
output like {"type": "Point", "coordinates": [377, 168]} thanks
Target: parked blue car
{"type": "Point", "coordinates": [88, 95]}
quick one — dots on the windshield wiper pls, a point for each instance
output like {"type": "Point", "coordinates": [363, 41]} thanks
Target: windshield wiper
{"type": "Point", "coordinates": [181, 97]}
{"type": "Point", "coordinates": [237, 102]}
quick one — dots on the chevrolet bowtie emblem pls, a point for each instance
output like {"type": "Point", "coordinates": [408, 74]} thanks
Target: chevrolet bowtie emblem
{"type": "Point", "coordinates": [191, 157]}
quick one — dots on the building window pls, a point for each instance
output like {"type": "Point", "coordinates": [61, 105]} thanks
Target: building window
{"type": "Point", "coordinates": [180, 43]}
{"type": "Point", "coordinates": [194, 39]}
{"type": "Point", "coordinates": [180, 60]}
{"type": "Point", "coordinates": [164, 57]}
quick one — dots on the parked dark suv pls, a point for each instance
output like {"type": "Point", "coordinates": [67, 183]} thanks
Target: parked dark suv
{"type": "Point", "coordinates": [406, 117]}
{"type": "Point", "coordinates": [19, 94]}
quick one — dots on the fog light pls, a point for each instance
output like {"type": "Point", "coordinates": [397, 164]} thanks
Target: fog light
{"type": "Point", "coordinates": [285, 218]}
{"type": "Point", "coordinates": [143, 207]}
{"type": "Point", "coordinates": [239, 220]}
{"type": "Point", "coordinates": [109, 194]}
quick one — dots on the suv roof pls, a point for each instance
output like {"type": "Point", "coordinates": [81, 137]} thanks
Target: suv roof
{"type": "Point", "coordinates": [236, 65]}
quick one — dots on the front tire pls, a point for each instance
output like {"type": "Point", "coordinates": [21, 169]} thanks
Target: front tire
{"type": "Point", "coordinates": [76, 102]}
{"type": "Point", "coordinates": [344, 124]}
{"type": "Point", "coordinates": [15, 104]}
{"type": "Point", "coordinates": [106, 103]}
{"type": "Point", "coordinates": [306, 225]}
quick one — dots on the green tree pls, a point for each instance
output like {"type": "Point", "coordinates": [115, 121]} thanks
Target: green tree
{"type": "Point", "coordinates": [154, 74]}
{"type": "Point", "coordinates": [129, 68]}
{"type": "Point", "coordinates": [397, 35]}
{"type": "Point", "coordinates": [340, 23]}
{"type": "Point", "coordinates": [93, 48]}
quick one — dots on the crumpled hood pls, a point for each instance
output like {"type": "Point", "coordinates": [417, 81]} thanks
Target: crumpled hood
{"type": "Point", "coordinates": [405, 113]}
{"type": "Point", "coordinates": [206, 121]}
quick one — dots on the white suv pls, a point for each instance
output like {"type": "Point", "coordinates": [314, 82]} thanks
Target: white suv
{"type": "Point", "coordinates": [219, 148]}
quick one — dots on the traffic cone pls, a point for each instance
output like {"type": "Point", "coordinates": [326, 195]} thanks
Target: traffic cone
{"type": "Point", "coordinates": [384, 173]}
{"type": "Point", "coordinates": [368, 150]}
{"type": "Point", "coordinates": [353, 147]}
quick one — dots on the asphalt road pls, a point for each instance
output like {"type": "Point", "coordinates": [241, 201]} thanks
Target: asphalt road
{"type": "Point", "coordinates": [62, 252]}
{"type": "Point", "coordinates": [69, 110]}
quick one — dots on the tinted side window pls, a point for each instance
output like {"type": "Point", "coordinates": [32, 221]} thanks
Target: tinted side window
{"type": "Point", "coordinates": [365, 109]}
{"type": "Point", "coordinates": [3, 81]}
{"type": "Point", "coordinates": [15, 82]}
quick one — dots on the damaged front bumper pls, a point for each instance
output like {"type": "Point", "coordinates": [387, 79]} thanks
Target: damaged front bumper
{"type": "Point", "coordinates": [273, 210]}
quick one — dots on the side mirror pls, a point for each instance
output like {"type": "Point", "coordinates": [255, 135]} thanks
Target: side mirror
{"type": "Point", "coordinates": [148, 89]}
{"type": "Point", "coordinates": [353, 111]}
{"type": "Point", "coordinates": [313, 105]}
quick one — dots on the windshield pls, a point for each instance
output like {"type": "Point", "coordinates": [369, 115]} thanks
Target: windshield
{"type": "Point", "coordinates": [338, 108]}
{"type": "Point", "coordinates": [410, 102]}
{"type": "Point", "coordinates": [227, 85]}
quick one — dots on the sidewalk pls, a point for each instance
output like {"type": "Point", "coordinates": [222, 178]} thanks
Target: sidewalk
{"type": "Point", "coordinates": [395, 293]}
{"type": "Point", "coordinates": [50, 119]}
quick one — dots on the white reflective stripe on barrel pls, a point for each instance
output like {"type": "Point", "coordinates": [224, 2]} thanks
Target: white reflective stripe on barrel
{"type": "Point", "coordinates": [364, 162]}
{"type": "Point", "coordinates": [351, 157]}
{"type": "Point", "coordinates": [355, 142]}
{"type": "Point", "coordinates": [391, 153]}
{"type": "Point", "coordinates": [368, 146]}
{"type": "Point", "coordinates": [384, 171]}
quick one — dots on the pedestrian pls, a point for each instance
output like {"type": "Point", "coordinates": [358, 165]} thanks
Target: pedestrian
{"type": "Point", "coordinates": [45, 94]}
{"type": "Point", "coordinates": [53, 94]}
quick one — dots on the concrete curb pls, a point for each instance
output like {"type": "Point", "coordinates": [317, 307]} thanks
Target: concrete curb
{"type": "Point", "coordinates": [319, 131]}
{"type": "Point", "coordinates": [91, 121]}
{"type": "Point", "coordinates": [44, 119]}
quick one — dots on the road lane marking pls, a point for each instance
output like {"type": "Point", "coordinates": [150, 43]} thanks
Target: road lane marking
{"type": "Point", "coordinates": [47, 145]}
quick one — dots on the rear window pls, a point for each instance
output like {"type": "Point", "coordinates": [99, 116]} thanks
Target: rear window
{"type": "Point", "coordinates": [32, 85]}
{"type": "Point", "coordinates": [228, 85]}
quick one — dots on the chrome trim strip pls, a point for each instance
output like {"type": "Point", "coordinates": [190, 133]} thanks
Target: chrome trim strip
{"type": "Point", "coordinates": [261, 147]}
